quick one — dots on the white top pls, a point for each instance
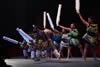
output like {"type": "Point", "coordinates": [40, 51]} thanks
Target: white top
{"type": "Point", "coordinates": [65, 36]}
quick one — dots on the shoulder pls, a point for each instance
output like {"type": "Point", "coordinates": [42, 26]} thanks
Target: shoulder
{"type": "Point", "coordinates": [94, 24]}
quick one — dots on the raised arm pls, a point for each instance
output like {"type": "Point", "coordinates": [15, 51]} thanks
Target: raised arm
{"type": "Point", "coordinates": [64, 27]}
{"type": "Point", "coordinates": [82, 19]}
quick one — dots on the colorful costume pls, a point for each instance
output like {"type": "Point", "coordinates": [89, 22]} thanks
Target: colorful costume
{"type": "Point", "coordinates": [90, 36]}
{"type": "Point", "coordinates": [24, 46]}
{"type": "Point", "coordinates": [56, 40]}
{"type": "Point", "coordinates": [64, 40]}
{"type": "Point", "coordinates": [73, 37]}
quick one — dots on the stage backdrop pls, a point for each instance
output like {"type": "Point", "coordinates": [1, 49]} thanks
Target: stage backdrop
{"type": "Point", "coordinates": [24, 13]}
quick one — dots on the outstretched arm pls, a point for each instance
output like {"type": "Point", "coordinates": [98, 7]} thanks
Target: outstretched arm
{"type": "Point", "coordinates": [64, 27]}
{"type": "Point", "coordinates": [55, 30]}
{"type": "Point", "coordinates": [82, 19]}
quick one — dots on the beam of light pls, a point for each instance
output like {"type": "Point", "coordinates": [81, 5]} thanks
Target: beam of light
{"type": "Point", "coordinates": [58, 14]}
{"type": "Point", "coordinates": [50, 21]}
{"type": "Point", "coordinates": [44, 19]}
{"type": "Point", "coordinates": [77, 5]}
{"type": "Point", "coordinates": [10, 40]}
{"type": "Point", "coordinates": [24, 35]}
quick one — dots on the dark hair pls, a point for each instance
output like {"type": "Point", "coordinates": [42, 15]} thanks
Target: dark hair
{"type": "Point", "coordinates": [92, 18]}
{"type": "Point", "coordinates": [74, 24]}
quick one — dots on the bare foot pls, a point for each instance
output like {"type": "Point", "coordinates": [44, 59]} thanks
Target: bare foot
{"type": "Point", "coordinates": [85, 61]}
{"type": "Point", "coordinates": [59, 59]}
{"type": "Point", "coordinates": [67, 59]}
{"type": "Point", "coordinates": [96, 59]}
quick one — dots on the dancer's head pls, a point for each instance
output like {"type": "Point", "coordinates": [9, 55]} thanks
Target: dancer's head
{"type": "Point", "coordinates": [90, 20]}
{"type": "Point", "coordinates": [72, 25]}
{"type": "Point", "coordinates": [35, 29]}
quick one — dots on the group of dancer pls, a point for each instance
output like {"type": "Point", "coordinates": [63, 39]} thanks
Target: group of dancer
{"type": "Point", "coordinates": [45, 42]}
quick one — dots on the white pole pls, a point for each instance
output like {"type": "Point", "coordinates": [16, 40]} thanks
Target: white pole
{"type": "Point", "coordinates": [50, 21]}
{"type": "Point", "coordinates": [44, 19]}
{"type": "Point", "coordinates": [77, 5]}
{"type": "Point", "coordinates": [10, 40]}
{"type": "Point", "coordinates": [58, 14]}
{"type": "Point", "coordinates": [24, 35]}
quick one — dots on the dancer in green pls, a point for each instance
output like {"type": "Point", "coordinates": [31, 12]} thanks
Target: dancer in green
{"type": "Point", "coordinates": [72, 38]}
{"type": "Point", "coordinates": [90, 36]}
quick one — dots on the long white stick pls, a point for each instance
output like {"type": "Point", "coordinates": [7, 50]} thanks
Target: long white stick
{"type": "Point", "coordinates": [50, 21]}
{"type": "Point", "coordinates": [10, 40]}
{"type": "Point", "coordinates": [24, 35]}
{"type": "Point", "coordinates": [58, 14]}
{"type": "Point", "coordinates": [44, 19]}
{"type": "Point", "coordinates": [77, 5]}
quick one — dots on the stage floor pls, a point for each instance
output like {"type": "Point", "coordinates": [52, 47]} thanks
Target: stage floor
{"type": "Point", "coordinates": [73, 62]}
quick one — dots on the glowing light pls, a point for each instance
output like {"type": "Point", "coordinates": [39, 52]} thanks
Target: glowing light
{"type": "Point", "coordinates": [58, 14]}
{"type": "Point", "coordinates": [50, 21]}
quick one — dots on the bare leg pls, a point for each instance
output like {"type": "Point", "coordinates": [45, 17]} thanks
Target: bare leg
{"type": "Point", "coordinates": [68, 53]}
{"type": "Point", "coordinates": [81, 49]}
{"type": "Point", "coordinates": [94, 52]}
{"type": "Point", "coordinates": [51, 54]}
{"type": "Point", "coordinates": [60, 53]}
{"type": "Point", "coordinates": [85, 51]}
{"type": "Point", "coordinates": [34, 51]}
{"type": "Point", "coordinates": [56, 53]}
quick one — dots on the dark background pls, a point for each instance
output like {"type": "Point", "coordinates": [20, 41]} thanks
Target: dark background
{"type": "Point", "coordinates": [24, 13]}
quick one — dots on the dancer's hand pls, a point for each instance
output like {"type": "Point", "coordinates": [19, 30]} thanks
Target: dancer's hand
{"type": "Point", "coordinates": [58, 25]}
{"type": "Point", "coordinates": [79, 13]}
{"type": "Point", "coordinates": [33, 25]}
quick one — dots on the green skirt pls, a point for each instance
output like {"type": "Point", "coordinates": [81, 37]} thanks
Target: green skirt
{"type": "Point", "coordinates": [74, 41]}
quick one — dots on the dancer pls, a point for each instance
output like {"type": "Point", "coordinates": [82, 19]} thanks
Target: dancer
{"type": "Point", "coordinates": [91, 34]}
{"type": "Point", "coordinates": [25, 47]}
{"type": "Point", "coordinates": [49, 35]}
{"type": "Point", "coordinates": [56, 38]}
{"type": "Point", "coordinates": [42, 42]}
{"type": "Point", "coordinates": [64, 43]}
{"type": "Point", "coordinates": [43, 48]}
{"type": "Point", "coordinates": [72, 38]}
{"type": "Point", "coordinates": [36, 46]}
